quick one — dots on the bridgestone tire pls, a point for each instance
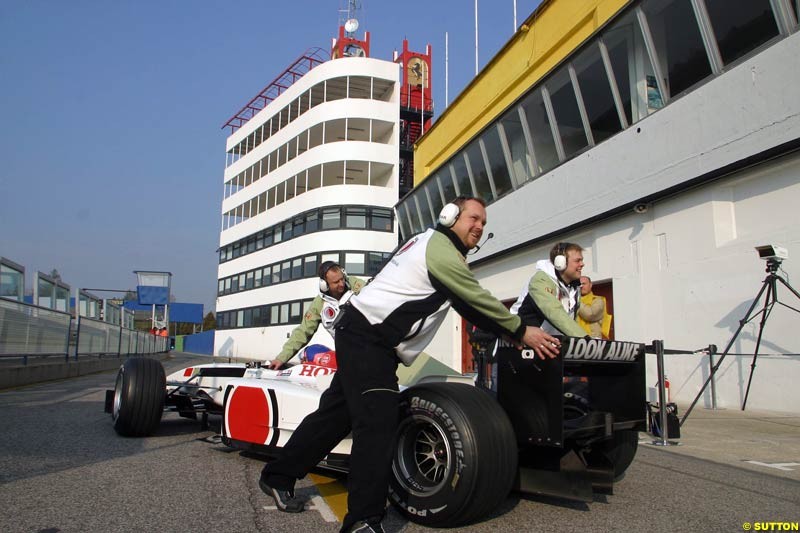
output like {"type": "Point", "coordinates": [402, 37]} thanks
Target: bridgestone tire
{"type": "Point", "coordinates": [456, 456]}
{"type": "Point", "coordinates": [620, 451]}
{"type": "Point", "coordinates": [138, 397]}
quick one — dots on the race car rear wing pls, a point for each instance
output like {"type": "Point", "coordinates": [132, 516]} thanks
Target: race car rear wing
{"type": "Point", "coordinates": [591, 390]}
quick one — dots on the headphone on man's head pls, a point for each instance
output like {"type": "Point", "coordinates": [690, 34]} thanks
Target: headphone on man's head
{"type": "Point", "coordinates": [323, 270]}
{"type": "Point", "coordinates": [448, 215]}
{"type": "Point", "coordinates": [560, 260]}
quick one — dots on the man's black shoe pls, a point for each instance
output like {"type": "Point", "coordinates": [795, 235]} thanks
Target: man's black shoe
{"type": "Point", "coordinates": [363, 526]}
{"type": "Point", "coordinates": [284, 499]}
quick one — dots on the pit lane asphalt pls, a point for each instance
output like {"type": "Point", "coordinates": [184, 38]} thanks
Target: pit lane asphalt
{"type": "Point", "coordinates": [62, 468]}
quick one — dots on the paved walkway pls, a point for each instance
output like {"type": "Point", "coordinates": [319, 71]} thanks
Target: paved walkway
{"type": "Point", "coordinates": [763, 441]}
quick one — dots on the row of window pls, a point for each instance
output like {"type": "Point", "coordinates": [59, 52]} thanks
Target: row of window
{"type": "Point", "coordinates": [369, 173]}
{"type": "Point", "coordinates": [655, 51]}
{"type": "Point", "coordinates": [12, 280]}
{"type": "Point", "coordinates": [302, 267]}
{"type": "Point", "coordinates": [311, 221]}
{"type": "Point", "coordinates": [325, 91]}
{"type": "Point", "coordinates": [276, 314]}
{"type": "Point", "coordinates": [342, 129]}
{"type": "Point", "coordinates": [51, 293]}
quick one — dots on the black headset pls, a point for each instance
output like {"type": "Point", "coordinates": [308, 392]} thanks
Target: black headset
{"type": "Point", "coordinates": [323, 270]}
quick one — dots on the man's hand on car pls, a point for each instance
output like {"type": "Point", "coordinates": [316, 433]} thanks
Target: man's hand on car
{"type": "Point", "coordinates": [275, 364]}
{"type": "Point", "coordinates": [543, 345]}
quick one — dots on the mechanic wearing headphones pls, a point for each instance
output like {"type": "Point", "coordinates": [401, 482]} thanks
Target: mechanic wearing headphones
{"type": "Point", "coordinates": [392, 319]}
{"type": "Point", "coordinates": [551, 298]}
{"type": "Point", "coordinates": [333, 284]}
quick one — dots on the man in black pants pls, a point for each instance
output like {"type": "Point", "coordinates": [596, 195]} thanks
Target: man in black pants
{"type": "Point", "coordinates": [392, 319]}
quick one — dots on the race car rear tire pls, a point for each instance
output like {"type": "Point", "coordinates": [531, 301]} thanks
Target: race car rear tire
{"type": "Point", "coordinates": [619, 451]}
{"type": "Point", "coordinates": [138, 397]}
{"type": "Point", "coordinates": [456, 457]}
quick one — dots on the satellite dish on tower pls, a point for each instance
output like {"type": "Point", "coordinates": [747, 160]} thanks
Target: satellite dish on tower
{"type": "Point", "coordinates": [351, 25]}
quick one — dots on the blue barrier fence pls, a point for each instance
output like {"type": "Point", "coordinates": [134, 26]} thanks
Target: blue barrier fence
{"type": "Point", "coordinates": [201, 343]}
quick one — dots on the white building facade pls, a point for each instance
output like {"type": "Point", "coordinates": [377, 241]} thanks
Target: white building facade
{"type": "Point", "coordinates": [692, 163]}
{"type": "Point", "coordinates": [311, 177]}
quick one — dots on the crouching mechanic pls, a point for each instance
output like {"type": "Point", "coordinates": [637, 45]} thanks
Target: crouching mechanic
{"type": "Point", "coordinates": [392, 319]}
{"type": "Point", "coordinates": [334, 283]}
{"type": "Point", "coordinates": [551, 298]}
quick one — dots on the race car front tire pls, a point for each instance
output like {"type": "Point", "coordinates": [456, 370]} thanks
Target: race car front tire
{"type": "Point", "coordinates": [456, 457]}
{"type": "Point", "coordinates": [138, 397]}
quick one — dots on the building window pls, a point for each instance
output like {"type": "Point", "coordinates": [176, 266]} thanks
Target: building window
{"type": "Point", "coordinates": [12, 282]}
{"type": "Point", "coordinates": [354, 263]}
{"type": "Point", "coordinates": [448, 185]}
{"type": "Point", "coordinates": [521, 161]}
{"type": "Point", "coordinates": [741, 26]}
{"type": "Point", "coordinates": [331, 218]}
{"type": "Point", "coordinates": [567, 115]}
{"type": "Point", "coordinates": [544, 147]}
{"type": "Point", "coordinates": [497, 161]}
{"type": "Point", "coordinates": [679, 46]}
{"type": "Point", "coordinates": [598, 100]}
{"type": "Point", "coordinates": [295, 312]}
{"type": "Point", "coordinates": [298, 226]}
{"type": "Point", "coordinates": [356, 217]}
{"type": "Point", "coordinates": [402, 220]}
{"type": "Point", "coordinates": [380, 219]}
{"type": "Point", "coordinates": [434, 197]}
{"type": "Point", "coordinates": [458, 170]}
{"type": "Point", "coordinates": [423, 209]}
{"type": "Point", "coordinates": [477, 165]}
{"type": "Point", "coordinates": [412, 215]}
{"type": "Point", "coordinates": [375, 261]}
{"type": "Point", "coordinates": [310, 266]}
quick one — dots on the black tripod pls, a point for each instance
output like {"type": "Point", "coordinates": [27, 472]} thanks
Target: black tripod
{"type": "Point", "coordinates": [771, 288]}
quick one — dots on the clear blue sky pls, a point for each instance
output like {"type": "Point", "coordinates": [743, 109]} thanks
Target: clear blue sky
{"type": "Point", "coordinates": [111, 148]}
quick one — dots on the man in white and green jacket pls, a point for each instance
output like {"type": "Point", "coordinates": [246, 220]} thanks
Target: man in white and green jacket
{"type": "Point", "coordinates": [392, 319]}
{"type": "Point", "coordinates": [335, 286]}
{"type": "Point", "coordinates": [551, 299]}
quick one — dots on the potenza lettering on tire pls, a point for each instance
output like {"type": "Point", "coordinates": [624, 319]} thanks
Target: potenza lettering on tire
{"type": "Point", "coordinates": [455, 458]}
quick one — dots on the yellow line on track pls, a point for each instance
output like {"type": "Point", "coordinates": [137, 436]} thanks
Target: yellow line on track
{"type": "Point", "coordinates": [333, 492]}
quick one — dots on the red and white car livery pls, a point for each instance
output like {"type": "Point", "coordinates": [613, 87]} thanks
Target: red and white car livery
{"type": "Point", "coordinates": [463, 442]}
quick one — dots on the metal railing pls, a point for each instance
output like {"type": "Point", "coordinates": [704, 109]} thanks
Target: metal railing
{"type": "Point", "coordinates": [31, 331]}
{"type": "Point", "coordinates": [27, 330]}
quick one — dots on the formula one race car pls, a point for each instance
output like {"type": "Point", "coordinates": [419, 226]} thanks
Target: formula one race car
{"type": "Point", "coordinates": [563, 427]}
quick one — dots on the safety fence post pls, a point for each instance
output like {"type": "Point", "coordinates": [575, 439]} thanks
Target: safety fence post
{"type": "Point", "coordinates": [658, 346]}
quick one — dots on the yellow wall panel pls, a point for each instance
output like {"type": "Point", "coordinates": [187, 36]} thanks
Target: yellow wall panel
{"type": "Point", "coordinates": [549, 35]}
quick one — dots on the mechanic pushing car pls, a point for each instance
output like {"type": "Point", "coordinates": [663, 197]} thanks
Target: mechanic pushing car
{"type": "Point", "coordinates": [392, 319]}
{"type": "Point", "coordinates": [334, 284]}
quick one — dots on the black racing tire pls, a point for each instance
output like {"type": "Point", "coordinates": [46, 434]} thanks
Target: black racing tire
{"type": "Point", "coordinates": [139, 396]}
{"type": "Point", "coordinates": [619, 451]}
{"type": "Point", "coordinates": [456, 456]}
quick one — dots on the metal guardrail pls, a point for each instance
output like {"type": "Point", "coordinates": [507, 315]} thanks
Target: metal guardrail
{"type": "Point", "coordinates": [31, 331]}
